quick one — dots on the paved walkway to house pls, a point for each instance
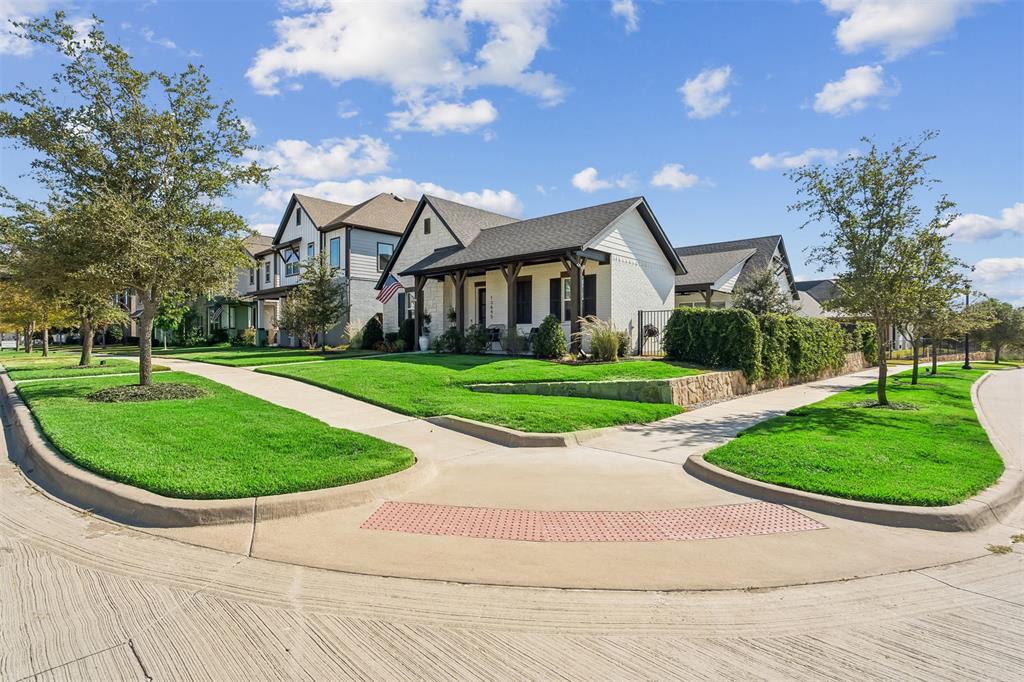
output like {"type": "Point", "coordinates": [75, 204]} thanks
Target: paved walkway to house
{"type": "Point", "coordinates": [82, 598]}
{"type": "Point", "coordinates": [606, 492]}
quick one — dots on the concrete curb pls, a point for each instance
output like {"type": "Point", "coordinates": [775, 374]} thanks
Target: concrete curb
{"type": "Point", "coordinates": [513, 438]}
{"type": "Point", "coordinates": [973, 513]}
{"type": "Point", "coordinates": [45, 466]}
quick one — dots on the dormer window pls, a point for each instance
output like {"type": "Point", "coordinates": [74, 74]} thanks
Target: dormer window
{"type": "Point", "coordinates": [426, 226]}
{"type": "Point", "coordinates": [298, 215]}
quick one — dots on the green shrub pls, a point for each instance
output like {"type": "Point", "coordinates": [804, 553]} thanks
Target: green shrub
{"type": "Point", "coordinates": [373, 333]}
{"type": "Point", "coordinates": [625, 344]}
{"type": "Point", "coordinates": [550, 339]}
{"type": "Point", "coordinates": [476, 339]}
{"type": "Point", "coordinates": [715, 337]}
{"type": "Point", "coordinates": [815, 345]}
{"type": "Point", "coordinates": [867, 341]}
{"type": "Point", "coordinates": [218, 336]}
{"type": "Point", "coordinates": [603, 336]}
{"type": "Point", "coordinates": [248, 336]}
{"type": "Point", "coordinates": [513, 342]}
{"type": "Point", "coordinates": [775, 345]}
{"type": "Point", "coordinates": [452, 341]}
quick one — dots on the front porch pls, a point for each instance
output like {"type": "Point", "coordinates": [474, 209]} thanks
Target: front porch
{"type": "Point", "coordinates": [514, 294]}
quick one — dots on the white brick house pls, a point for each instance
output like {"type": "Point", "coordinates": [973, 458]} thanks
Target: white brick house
{"type": "Point", "coordinates": [356, 240]}
{"type": "Point", "coordinates": [609, 260]}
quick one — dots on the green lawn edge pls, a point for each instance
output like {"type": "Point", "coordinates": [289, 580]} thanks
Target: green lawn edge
{"type": "Point", "coordinates": [937, 455]}
{"type": "Point", "coordinates": [226, 445]}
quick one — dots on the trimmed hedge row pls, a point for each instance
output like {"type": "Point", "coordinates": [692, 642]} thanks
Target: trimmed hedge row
{"type": "Point", "coordinates": [776, 347]}
{"type": "Point", "coordinates": [861, 337]}
{"type": "Point", "coordinates": [715, 337]}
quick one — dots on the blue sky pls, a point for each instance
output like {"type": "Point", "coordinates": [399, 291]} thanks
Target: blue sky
{"type": "Point", "coordinates": [533, 108]}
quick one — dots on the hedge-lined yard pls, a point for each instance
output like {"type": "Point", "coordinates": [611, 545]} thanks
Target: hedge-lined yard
{"type": "Point", "coordinates": [776, 347]}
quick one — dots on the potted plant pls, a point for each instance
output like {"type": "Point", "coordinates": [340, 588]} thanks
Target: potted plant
{"type": "Point", "coordinates": [425, 333]}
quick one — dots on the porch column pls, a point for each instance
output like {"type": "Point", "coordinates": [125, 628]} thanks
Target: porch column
{"type": "Point", "coordinates": [707, 298]}
{"type": "Point", "coordinates": [511, 272]}
{"type": "Point", "coordinates": [417, 289]}
{"type": "Point", "coordinates": [574, 265]}
{"type": "Point", "coordinates": [459, 281]}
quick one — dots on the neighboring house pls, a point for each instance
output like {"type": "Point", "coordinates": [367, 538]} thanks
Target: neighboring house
{"type": "Point", "coordinates": [609, 260]}
{"type": "Point", "coordinates": [815, 293]}
{"type": "Point", "coordinates": [356, 240]}
{"type": "Point", "coordinates": [714, 271]}
{"type": "Point", "coordinates": [235, 312]}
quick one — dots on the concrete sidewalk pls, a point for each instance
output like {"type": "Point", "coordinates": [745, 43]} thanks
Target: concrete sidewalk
{"type": "Point", "coordinates": [630, 469]}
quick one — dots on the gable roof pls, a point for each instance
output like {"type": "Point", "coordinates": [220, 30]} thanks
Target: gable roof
{"type": "Point", "coordinates": [465, 222]}
{"type": "Point", "coordinates": [708, 257]}
{"type": "Point", "coordinates": [385, 212]}
{"type": "Point", "coordinates": [320, 211]}
{"type": "Point", "coordinates": [255, 243]}
{"type": "Point", "coordinates": [820, 290]}
{"type": "Point", "coordinates": [500, 238]}
{"type": "Point", "coordinates": [705, 270]}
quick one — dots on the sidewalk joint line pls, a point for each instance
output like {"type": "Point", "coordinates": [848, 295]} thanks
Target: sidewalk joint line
{"type": "Point", "coordinates": [964, 589]}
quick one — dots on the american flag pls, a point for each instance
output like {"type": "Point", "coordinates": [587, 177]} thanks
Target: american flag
{"type": "Point", "coordinates": [390, 288]}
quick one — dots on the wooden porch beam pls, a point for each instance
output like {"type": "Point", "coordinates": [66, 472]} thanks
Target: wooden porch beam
{"type": "Point", "coordinates": [459, 282]}
{"type": "Point", "coordinates": [417, 289]}
{"type": "Point", "coordinates": [511, 272]}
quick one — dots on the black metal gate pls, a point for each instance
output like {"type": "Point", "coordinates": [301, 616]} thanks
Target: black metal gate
{"type": "Point", "coordinates": [650, 327]}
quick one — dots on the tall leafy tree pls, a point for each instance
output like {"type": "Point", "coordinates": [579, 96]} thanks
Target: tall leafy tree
{"type": "Point", "coordinates": [871, 220]}
{"type": "Point", "coordinates": [319, 302]}
{"type": "Point", "coordinates": [762, 295]}
{"type": "Point", "coordinates": [1006, 327]}
{"type": "Point", "coordinates": [152, 151]}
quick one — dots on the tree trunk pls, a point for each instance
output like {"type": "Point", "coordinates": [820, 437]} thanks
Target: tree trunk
{"type": "Point", "coordinates": [86, 332]}
{"type": "Point", "coordinates": [998, 352]}
{"type": "Point", "coordinates": [917, 360]}
{"type": "Point", "coordinates": [883, 367]}
{"type": "Point", "coordinates": [935, 359]}
{"type": "Point", "coordinates": [46, 340]}
{"type": "Point", "coordinates": [149, 310]}
{"type": "Point", "coordinates": [17, 340]}
{"type": "Point", "coordinates": [163, 332]}
{"type": "Point", "coordinates": [28, 337]}
{"type": "Point", "coordinates": [323, 339]}
{"type": "Point", "coordinates": [106, 327]}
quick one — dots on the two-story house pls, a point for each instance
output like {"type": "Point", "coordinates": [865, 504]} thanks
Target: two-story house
{"type": "Point", "coordinates": [714, 271]}
{"type": "Point", "coordinates": [357, 241]}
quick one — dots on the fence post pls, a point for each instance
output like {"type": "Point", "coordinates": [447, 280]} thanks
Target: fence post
{"type": "Point", "coordinates": [639, 333]}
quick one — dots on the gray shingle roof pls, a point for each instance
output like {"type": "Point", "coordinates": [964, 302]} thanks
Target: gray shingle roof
{"type": "Point", "coordinates": [321, 211]}
{"type": "Point", "coordinates": [764, 248]}
{"type": "Point", "coordinates": [255, 243]}
{"type": "Point", "coordinates": [386, 212]}
{"type": "Point", "coordinates": [820, 290]}
{"type": "Point", "coordinates": [466, 222]}
{"type": "Point", "coordinates": [706, 269]}
{"type": "Point", "coordinates": [558, 232]}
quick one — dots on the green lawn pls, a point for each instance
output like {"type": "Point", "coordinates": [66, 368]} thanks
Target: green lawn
{"type": "Point", "coordinates": [252, 356]}
{"type": "Point", "coordinates": [932, 456]}
{"type": "Point", "coordinates": [431, 385]}
{"type": "Point", "coordinates": [225, 445]}
{"type": "Point", "coordinates": [62, 364]}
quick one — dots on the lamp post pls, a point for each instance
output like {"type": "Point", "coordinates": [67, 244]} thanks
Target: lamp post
{"type": "Point", "coordinates": [967, 336]}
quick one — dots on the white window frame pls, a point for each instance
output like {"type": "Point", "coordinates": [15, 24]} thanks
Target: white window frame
{"type": "Point", "coordinates": [310, 250]}
{"type": "Point", "coordinates": [291, 269]}
{"type": "Point", "coordinates": [388, 245]}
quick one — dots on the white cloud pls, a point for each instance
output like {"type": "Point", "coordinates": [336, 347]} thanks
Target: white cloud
{"type": "Point", "coordinates": [346, 109]}
{"type": "Point", "coordinates": [671, 175]}
{"type": "Point", "coordinates": [250, 126]}
{"type": "Point", "coordinates": [424, 51]}
{"type": "Point", "coordinates": [444, 117]}
{"type": "Point", "coordinates": [329, 159]}
{"type": "Point", "coordinates": [996, 269]}
{"type": "Point", "coordinates": [353, 191]}
{"type": "Point", "coordinates": [18, 10]}
{"type": "Point", "coordinates": [588, 181]}
{"type": "Point", "coordinates": [852, 93]}
{"type": "Point", "coordinates": [265, 228]}
{"type": "Point", "coordinates": [705, 94]}
{"type": "Point", "coordinates": [810, 155]}
{"type": "Point", "coordinates": [972, 227]}
{"type": "Point", "coordinates": [895, 26]}
{"type": "Point", "coordinates": [151, 37]}
{"type": "Point", "coordinates": [627, 10]}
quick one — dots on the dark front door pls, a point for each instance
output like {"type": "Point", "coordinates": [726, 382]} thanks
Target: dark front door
{"type": "Point", "coordinates": [481, 306]}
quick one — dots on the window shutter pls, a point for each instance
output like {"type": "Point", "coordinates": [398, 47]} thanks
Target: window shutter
{"type": "Point", "coordinates": [524, 303]}
{"type": "Point", "coordinates": [589, 295]}
{"type": "Point", "coordinates": [555, 289]}
{"type": "Point", "coordinates": [401, 308]}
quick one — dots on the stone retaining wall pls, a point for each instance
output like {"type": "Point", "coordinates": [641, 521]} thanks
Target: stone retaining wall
{"type": "Point", "coordinates": [683, 391]}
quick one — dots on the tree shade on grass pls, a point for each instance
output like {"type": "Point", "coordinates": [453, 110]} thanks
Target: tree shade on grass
{"type": "Point", "coordinates": [63, 365]}
{"type": "Point", "coordinates": [935, 455]}
{"type": "Point", "coordinates": [253, 356]}
{"type": "Point", "coordinates": [434, 385]}
{"type": "Point", "coordinates": [225, 445]}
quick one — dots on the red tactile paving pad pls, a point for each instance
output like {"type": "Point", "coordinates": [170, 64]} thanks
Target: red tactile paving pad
{"type": "Point", "coordinates": [697, 523]}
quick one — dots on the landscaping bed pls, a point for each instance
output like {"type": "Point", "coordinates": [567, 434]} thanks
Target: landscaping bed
{"type": "Point", "coordinates": [435, 385]}
{"type": "Point", "coordinates": [928, 449]}
{"type": "Point", "coordinates": [254, 356]}
{"type": "Point", "coordinates": [35, 366]}
{"type": "Point", "coordinates": [224, 445]}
